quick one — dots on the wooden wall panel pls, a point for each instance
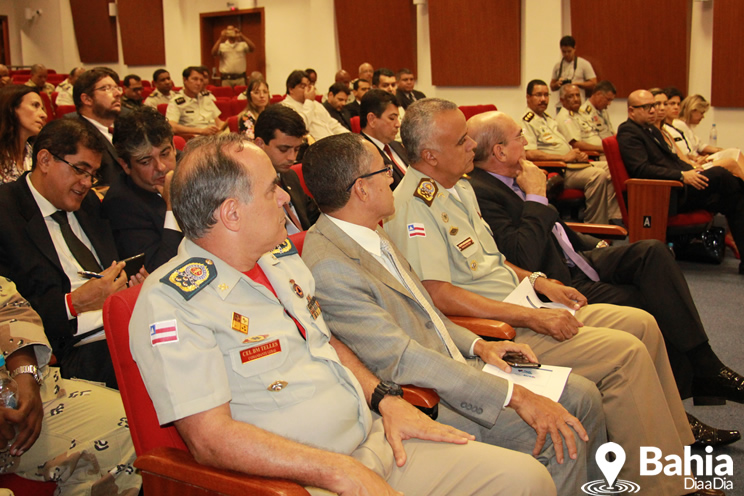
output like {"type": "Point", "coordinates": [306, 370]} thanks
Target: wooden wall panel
{"type": "Point", "coordinates": [728, 64]}
{"type": "Point", "coordinates": [95, 31]}
{"type": "Point", "coordinates": [381, 32]}
{"type": "Point", "coordinates": [634, 43]}
{"type": "Point", "coordinates": [468, 46]}
{"type": "Point", "coordinates": [142, 32]}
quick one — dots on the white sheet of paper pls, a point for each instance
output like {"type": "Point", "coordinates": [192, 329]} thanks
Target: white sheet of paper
{"type": "Point", "coordinates": [524, 295]}
{"type": "Point", "coordinates": [548, 380]}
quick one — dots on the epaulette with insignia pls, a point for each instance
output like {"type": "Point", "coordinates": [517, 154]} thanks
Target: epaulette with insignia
{"type": "Point", "coordinates": [528, 116]}
{"type": "Point", "coordinates": [285, 249]}
{"type": "Point", "coordinates": [205, 93]}
{"type": "Point", "coordinates": [587, 109]}
{"type": "Point", "coordinates": [571, 113]}
{"type": "Point", "coordinates": [426, 190]}
{"type": "Point", "coordinates": [180, 100]}
{"type": "Point", "coordinates": [191, 276]}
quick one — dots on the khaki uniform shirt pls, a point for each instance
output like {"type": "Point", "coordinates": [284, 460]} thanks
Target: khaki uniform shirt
{"type": "Point", "coordinates": [599, 120]}
{"type": "Point", "coordinates": [156, 98]}
{"type": "Point", "coordinates": [64, 93]}
{"type": "Point", "coordinates": [445, 238]}
{"type": "Point", "coordinates": [48, 87]}
{"type": "Point", "coordinates": [542, 134]}
{"type": "Point", "coordinates": [204, 334]}
{"type": "Point", "coordinates": [193, 112]}
{"type": "Point", "coordinates": [574, 126]}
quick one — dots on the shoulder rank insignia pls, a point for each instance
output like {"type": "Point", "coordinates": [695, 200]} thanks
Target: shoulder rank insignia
{"type": "Point", "coordinates": [528, 116]}
{"type": "Point", "coordinates": [180, 100]}
{"type": "Point", "coordinates": [285, 249]}
{"type": "Point", "coordinates": [205, 93]}
{"type": "Point", "coordinates": [587, 109]}
{"type": "Point", "coordinates": [571, 113]}
{"type": "Point", "coordinates": [426, 190]}
{"type": "Point", "coordinates": [191, 276]}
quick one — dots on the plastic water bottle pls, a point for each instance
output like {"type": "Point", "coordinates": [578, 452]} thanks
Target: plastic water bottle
{"type": "Point", "coordinates": [713, 138]}
{"type": "Point", "coordinates": [8, 394]}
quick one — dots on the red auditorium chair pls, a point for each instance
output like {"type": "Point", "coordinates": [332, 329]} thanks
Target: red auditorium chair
{"type": "Point", "coordinates": [232, 123]}
{"type": "Point", "coordinates": [48, 106]}
{"type": "Point", "coordinates": [356, 126]}
{"type": "Point", "coordinates": [162, 108]}
{"type": "Point", "coordinates": [237, 90]}
{"type": "Point", "coordinates": [276, 99]}
{"type": "Point", "coordinates": [471, 110]}
{"type": "Point", "coordinates": [221, 91]}
{"type": "Point", "coordinates": [644, 203]}
{"type": "Point", "coordinates": [146, 90]}
{"type": "Point", "coordinates": [179, 143]}
{"type": "Point", "coordinates": [65, 109]}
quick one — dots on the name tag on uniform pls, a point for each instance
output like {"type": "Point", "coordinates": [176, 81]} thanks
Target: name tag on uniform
{"type": "Point", "coordinates": [264, 350]}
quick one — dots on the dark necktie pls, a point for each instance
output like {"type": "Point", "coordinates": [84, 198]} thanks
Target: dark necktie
{"type": "Point", "coordinates": [78, 249]}
{"type": "Point", "coordinates": [389, 152]}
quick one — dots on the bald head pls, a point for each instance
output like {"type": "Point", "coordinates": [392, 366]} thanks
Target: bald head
{"type": "Point", "coordinates": [366, 71]}
{"type": "Point", "coordinates": [4, 76]}
{"type": "Point", "coordinates": [641, 108]}
{"type": "Point", "coordinates": [343, 77]}
{"type": "Point", "coordinates": [500, 142]}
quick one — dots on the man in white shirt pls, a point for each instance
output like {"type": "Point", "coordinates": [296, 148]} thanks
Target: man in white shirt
{"type": "Point", "coordinates": [192, 112]}
{"type": "Point", "coordinates": [163, 93]}
{"type": "Point", "coordinates": [231, 48]}
{"type": "Point", "coordinates": [301, 98]}
{"type": "Point", "coordinates": [64, 89]}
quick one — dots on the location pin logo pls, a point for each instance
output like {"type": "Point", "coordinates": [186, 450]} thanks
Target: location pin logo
{"type": "Point", "coordinates": [609, 469]}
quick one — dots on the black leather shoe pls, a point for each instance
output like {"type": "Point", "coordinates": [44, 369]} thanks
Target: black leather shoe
{"type": "Point", "coordinates": [706, 435]}
{"type": "Point", "coordinates": [726, 385]}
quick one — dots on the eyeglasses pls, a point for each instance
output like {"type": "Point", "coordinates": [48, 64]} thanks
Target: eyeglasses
{"type": "Point", "coordinates": [94, 178]}
{"type": "Point", "coordinates": [109, 88]}
{"type": "Point", "coordinates": [647, 107]}
{"type": "Point", "coordinates": [388, 170]}
{"type": "Point", "coordinates": [519, 137]}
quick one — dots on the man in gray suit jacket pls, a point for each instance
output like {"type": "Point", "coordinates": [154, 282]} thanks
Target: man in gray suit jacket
{"type": "Point", "coordinates": [399, 335]}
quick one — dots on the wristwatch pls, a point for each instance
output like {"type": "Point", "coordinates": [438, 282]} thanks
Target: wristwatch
{"type": "Point", "coordinates": [535, 276]}
{"type": "Point", "coordinates": [384, 388]}
{"type": "Point", "coordinates": [28, 369]}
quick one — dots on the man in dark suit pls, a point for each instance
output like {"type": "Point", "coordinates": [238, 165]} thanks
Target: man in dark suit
{"type": "Point", "coordinates": [338, 93]}
{"type": "Point", "coordinates": [280, 132]}
{"type": "Point", "coordinates": [528, 231]}
{"type": "Point", "coordinates": [97, 98]}
{"type": "Point", "coordinates": [359, 87]}
{"type": "Point", "coordinates": [52, 230]}
{"type": "Point", "coordinates": [380, 124]}
{"type": "Point", "coordinates": [138, 202]}
{"type": "Point", "coordinates": [647, 156]}
{"type": "Point", "coordinates": [405, 93]}
{"type": "Point", "coordinates": [404, 339]}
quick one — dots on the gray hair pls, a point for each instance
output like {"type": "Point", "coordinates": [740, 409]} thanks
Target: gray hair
{"type": "Point", "coordinates": [207, 175]}
{"type": "Point", "coordinates": [486, 136]}
{"type": "Point", "coordinates": [418, 124]}
{"type": "Point", "coordinates": [331, 164]}
{"type": "Point", "coordinates": [564, 88]}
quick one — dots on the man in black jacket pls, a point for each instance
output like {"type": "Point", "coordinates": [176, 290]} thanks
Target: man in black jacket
{"type": "Point", "coordinates": [527, 230]}
{"type": "Point", "coordinates": [138, 202]}
{"type": "Point", "coordinates": [279, 133]}
{"type": "Point", "coordinates": [648, 156]}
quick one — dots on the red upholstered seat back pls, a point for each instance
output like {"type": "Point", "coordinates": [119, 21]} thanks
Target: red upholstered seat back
{"type": "Point", "coordinates": [618, 172]}
{"type": "Point", "coordinates": [471, 110]}
{"type": "Point", "coordinates": [143, 421]}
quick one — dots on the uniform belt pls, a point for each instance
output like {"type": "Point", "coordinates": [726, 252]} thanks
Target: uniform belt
{"type": "Point", "coordinates": [232, 76]}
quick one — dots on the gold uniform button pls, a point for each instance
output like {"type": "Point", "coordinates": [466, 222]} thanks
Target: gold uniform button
{"type": "Point", "coordinates": [277, 386]}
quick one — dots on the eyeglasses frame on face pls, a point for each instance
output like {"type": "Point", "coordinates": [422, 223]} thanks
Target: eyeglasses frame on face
{"type": "Point", "coordinates": [646, 106]}
{"type": "Point", "coordinates": [388, 170]}
{"type": "Point", "coordinates": [94, 178]}
{"type": "Point", "coordinates": [108, 88]}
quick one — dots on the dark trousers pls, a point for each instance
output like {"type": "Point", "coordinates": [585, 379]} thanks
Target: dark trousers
{"type": "Point", "coordinates": [645, 275]}
{"type": "Point", "coordinates": [91, 362]}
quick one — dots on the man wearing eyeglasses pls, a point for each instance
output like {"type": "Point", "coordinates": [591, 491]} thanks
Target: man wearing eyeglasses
{"type": "Point", "coordinates": [545, 142]}
{"type": "Point", "coordinates": [53, 231]}
{"type": "Point", "coordinates": [647, 155]}
{"type": "Point", "coordinates": [97, 98]}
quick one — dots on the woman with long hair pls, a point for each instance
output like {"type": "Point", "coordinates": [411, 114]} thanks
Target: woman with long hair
{"type": "Point", "coordinates": [257, 96]}
{"type": "Point", "coordinates": [22, 115]}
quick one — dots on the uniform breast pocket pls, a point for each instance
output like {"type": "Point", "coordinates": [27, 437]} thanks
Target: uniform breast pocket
{"type": "Point", "coordinates": [267, 377]}
{"type": "Point", "coordinates": [470, 255]}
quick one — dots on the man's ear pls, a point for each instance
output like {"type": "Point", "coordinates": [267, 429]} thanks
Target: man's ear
{"type": "Point", "coordinates": [259, 142]}
{"type": "Point", "coordinates": [429, 157]}
{"type": "Point", "coordinates": [229, 214]}
{"type": "Point", "coordinates": [371, 118]}
{"type": "Point", "coordinates": [86, 99]}
{"type": "Point", "coordinates": [44, 160]}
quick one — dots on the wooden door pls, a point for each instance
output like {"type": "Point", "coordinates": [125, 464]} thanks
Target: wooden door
{"type": "Point", "coordinates": [249, 21]}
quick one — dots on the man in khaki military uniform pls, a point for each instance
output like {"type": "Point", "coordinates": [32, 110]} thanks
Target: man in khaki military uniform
{"type": "Point", "coordinates": [38, 79]}
{"type": "Point", "coordinates": [438, 227]}
{"type": "Point", "coordinates": [229, 338]}
{"type": "Point", "coordinates": [64, 89]}
{"type": "Point", "coordinates": [545, 142]}
{"type": "Point", "coordinates": [84, 444]}
{"type": "Point", "coordinates": [192, 112]}
{"type": "Point", "coordinates": [163, 89]}
{"type": "Point", "coordinates": [575, 128]}
{"type": "Point", "coordinates": [594, 110]}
